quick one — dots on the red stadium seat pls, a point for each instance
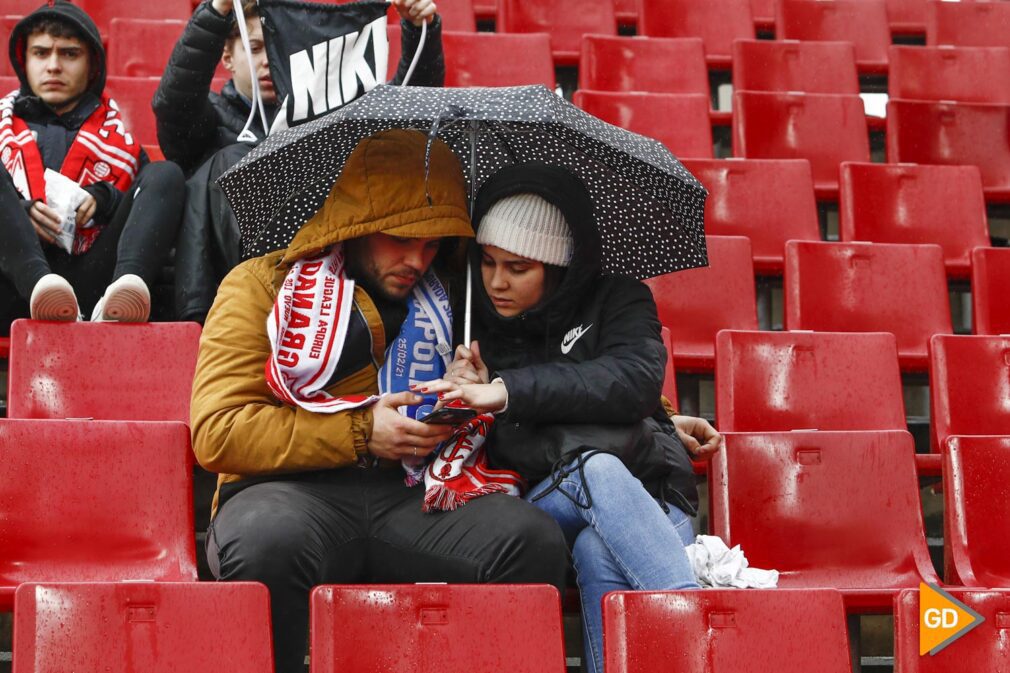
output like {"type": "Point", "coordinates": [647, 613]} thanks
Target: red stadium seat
{"type": "Point", "coordinates": [718, 630]}
{"type": "Point", "coordinates": [669, 374]}
{"type": "Point", "coordinates": [141, 47]}
{"type": "Point", "coordinates": [21, 8]}
{"type": "Point", "coordinates": [5, 347]}
{"type": "Point", "coordinates": [968, 387]}
{"type": "Point", "coordinates": [716, 22]}
{"type": "Point", "coordinates": [811, 67]}
{"type": "Point", "coordinates": [764, 12]}
{"type": "Point", "coordinates": [566, 24]}
{"type": "Point", "coordinates": [626, 11]}
{"type": "Point", "coordinates": [976, 471]}
{"type": "Point", "coordinates": [457, 15]}
{"type": "Point", "coordinates": [968, 24]}
{"type": "Point", "coordinates": [643, 64]}
{"type": "Point", "coordinates": [477, 59]}
{"type": "Point", "coordinates": [147, 627]}
{"type": "Point", "coordinates": [697, 303]}
{"type": "Point", "coordinates": [679, 121]}
{"type": "Point", "coordinates": [778, 381]}
{"type": "Point", "coordinates": [8, 83]}
{"type": "Point", "coordinates": [793, 125]}
{"type": "Point", "coordinates": [485, 9]}
{"type": "Point", "coordinates": [907, 16]}
{"type": "Point", "coordinates": [768, 201]}
{"type": "Point", "coordinates": [94, 501]}
{"type": "Point", "coordinates": [990, 278]}
{"type": "Point", "coordinates": [861, 22]}
{"type": "Point", "coordinates": [869, 287]}
{"type": "Point", "coordinates": [7, 24]}
{"type": "Point", "coordinates": [894, 203]}
{"type": "Point", "coordinates": [825, 509]}
{"type": "Point", "coordinates": [436, 627]}
{"type": "Point", "coordinates": [984, 648]}
{"type": "Point", "coordinates": [141, 372]}
{"type": "Point", "coordinates": [948, 133]}
{"type": "Point", "coordinates": [104, 11]}
{"type": "Point", "coordinates": [965, 74]}
{"type": "Point", "coordinates": [133, 95]}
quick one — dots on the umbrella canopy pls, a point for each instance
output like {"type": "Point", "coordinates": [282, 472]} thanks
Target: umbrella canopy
{"type": "Point", "coordinates": [648, 207]}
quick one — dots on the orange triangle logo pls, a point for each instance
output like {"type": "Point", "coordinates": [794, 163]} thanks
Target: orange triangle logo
{"type": "Point", "coordinates": [942, 619]}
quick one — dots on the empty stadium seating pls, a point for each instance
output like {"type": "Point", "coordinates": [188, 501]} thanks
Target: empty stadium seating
{"type": "Point", "coordinates": [825, 129]}
{"type": "Point", "coordinates": [7, 24]}
{"type": "Point", "coordinates": [990, 278]}
{"type": "Point", "coordinates": [966, 74]}
{"type": "Point", "coordinates": [791, 65]}
{"type": "Point", "coordinates": [984, 648]}
{"type": "Point", "coordinates": [427, 627]}
{"type": "Point", "coordinates": [144, 627]}
{"type": "Point", "coordinates": [141, 47]}
{"type": "Point", "coordinates": [976, 471]}
{"type": "Point", "coordinates": [861, 22]}
{"type": "Point", "coordinates": [888, 203]}
{"type": "Point", "coordinates": [104, 11]}
{"type": "Point", "coordinates": [869, 287]}
{"type": "Point", "coordinates": [478, 59]}
{"type": "Point", "coordinates": [669, 373]}
{"type": "Point", "coordinates": [778, 381]}
{"type": "Point", "coordinates": [764, 12]}
{"type": "Point", "coordinates": [697, 303]}
{"type": "Point", "coordinates": [566, 27]}
{"type": "Point", "coordinates": [133, 96]}
{"type": "Point", "coordinates": [643, 64]}
{"type": "Point", "coordinates": [717, 630]}
{"type": "Point", "coordinates": [8, 83]}
{"type": "Point", "coordinates": [650, 114]}
{"type": "Point", "coordinates": [825, 509]}
{"type": "Point", "coordinates": [768, 201]}
{"type": "Point", "coordinates": [141, 372]}
{"type": "Point", "coordinates": [968, 24]}
{"type": "Point", "coordinates": [949, 133]}
{"type": "Point", "coordinates": [89, 501]}
{"type": "Point", "coordinates": [968, 386]}
{"type": "Point", "coordinates": [716, 22]}
{"type": "Point", "coordinates": [907, 16]}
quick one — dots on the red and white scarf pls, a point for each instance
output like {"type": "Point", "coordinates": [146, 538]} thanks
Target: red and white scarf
{"type": "Point", "coordinates": [307, 330]}
{"type": "Point", "coordinates": [102, 151]}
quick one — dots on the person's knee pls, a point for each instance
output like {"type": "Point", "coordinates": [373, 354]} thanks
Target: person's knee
{"type": "Point", "coordinates": [605, 471]}
{"type": "Point", "coordinates": [165, 176]}
{"type": "Point", "coordinates": [527, 543]}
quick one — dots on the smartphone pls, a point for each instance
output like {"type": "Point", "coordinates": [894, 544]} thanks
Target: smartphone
{"type": "Point", "coordinates": [450, 416]}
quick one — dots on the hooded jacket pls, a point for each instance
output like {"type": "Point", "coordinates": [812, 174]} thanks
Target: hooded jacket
{"type": "Point", "coordinates": [584, 368]}
{"type": "Point", "coordinates": [240, 429]}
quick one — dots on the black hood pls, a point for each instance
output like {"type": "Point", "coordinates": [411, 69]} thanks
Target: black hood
{"type": "Point", "coordinates": [564, 190]}
{"type": "Point", "coordinates": [66, 12]}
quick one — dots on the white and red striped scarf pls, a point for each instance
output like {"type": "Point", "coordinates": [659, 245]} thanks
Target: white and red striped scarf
{"type": "Point", "coordinates": [307, 330]}
{"type": "Point", "coordinates": [102, 151]}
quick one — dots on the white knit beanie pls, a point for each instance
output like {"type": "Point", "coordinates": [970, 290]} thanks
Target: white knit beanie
{"type": "Point", "coordinates": [529, 226]}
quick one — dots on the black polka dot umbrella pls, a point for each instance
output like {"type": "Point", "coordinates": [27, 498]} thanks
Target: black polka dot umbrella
{"type": "Point", "coordinates": [649, 208]}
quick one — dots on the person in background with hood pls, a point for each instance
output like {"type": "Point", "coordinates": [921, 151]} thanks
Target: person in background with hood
{"type": "Point", "coordinates": [60, 120]}
{"type": "Point", "coordinates": [571, 362]}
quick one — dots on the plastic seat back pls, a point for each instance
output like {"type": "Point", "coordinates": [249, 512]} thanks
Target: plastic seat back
{"type": "Point", "coordinates": [697, 303]}
{"type": "Point", "coordinates": [861, 22]}
{"type": "Point", "coordinates": [791, 65]}
{"type": "Point", "coordinates": [719, 630]}
{"type": "Point", "coordinates": [716, 22]}
{"type": "Point", "coordinates": [141, 47]}
{"type": "Point", "coordinates": [436, 627]}
{"type": "Point", "coordinates": [990, 278]}
{"type": "Point", "coordinates": [133, 95]}
{"type": "Point", "coordinates": [565, 25]}
{"type": "Point", "coordinates": [888, 203]}
{"type": "Point", "coordinates": [945, 133]}
{"type": "Point", "coordinates": [477, 59]}
{"type": "Point", "coordinates": [869, 287]}
{"type": "Point", "coordinates": [200, 627]}
{"type": "Point", "coordinates": [968, 389]}
{"type": "Point", "coordinates": [7, 24]}
{"type": "Point", "coordinates": [650, 114]}
{"type": "Point", "coordinates": [965, 74]}
{"type": "Point", "coordinates": [769, 201]}
{"type": "Point", "coordinates": [984, 648]}
{"type": "Point", "coordinates": [825, 509]}
{"type": "Point", "coordinates": [778, 381]}
{"type": "Point", "coordinates": [8, 83]}
{"type": "Point", "coordinates": [968, 24]}
{"type": "Point", "coordinates": [907, 16]}
{"type": "Point", "coordinates": [976, 470]}
{"type": "Point", "coordinates": [642, 64]}
{"type": "Point", "coordinates": [103, 12]}
{"type": "Point", "coordinates": [792, 126]}
{"type": "Point", "coordinates": [94, 501]}
{"type": "Point", "coordinates": [141, 372]}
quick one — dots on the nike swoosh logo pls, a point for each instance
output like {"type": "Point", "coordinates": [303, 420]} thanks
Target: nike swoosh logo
{"type": "Point", "coordinates": [573, 336]}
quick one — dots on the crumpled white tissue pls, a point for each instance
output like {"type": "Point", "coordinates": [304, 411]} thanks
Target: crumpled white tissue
{"type": "Point", "coordinates": [716, 565]}
{"type": "Point", "coordinates": [64, 196]}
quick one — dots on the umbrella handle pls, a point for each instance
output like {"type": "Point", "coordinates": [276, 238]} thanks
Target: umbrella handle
{"type": "Point", "coordinates": [417, 52]}
{"type": "Point", "coordinates": [469, 304]}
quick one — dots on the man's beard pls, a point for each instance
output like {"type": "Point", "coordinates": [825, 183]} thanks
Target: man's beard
{"type": "Point", "coordinates": [364, 272]}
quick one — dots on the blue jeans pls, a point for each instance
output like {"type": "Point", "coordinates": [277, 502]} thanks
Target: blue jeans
{"type": "Point", "coordinates": [624, 540]}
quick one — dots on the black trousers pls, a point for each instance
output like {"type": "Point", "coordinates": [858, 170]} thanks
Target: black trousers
{"type": "Point", "coordinates": [136, 240]}
{"type": "Point", "coordinates": [358, 525]}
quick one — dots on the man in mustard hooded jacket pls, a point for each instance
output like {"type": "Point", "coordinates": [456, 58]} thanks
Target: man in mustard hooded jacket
{"type": "Point", "coordinates": [307, 497]}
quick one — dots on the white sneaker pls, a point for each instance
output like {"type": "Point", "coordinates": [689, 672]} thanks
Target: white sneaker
{"type": "Point", "coordinates": [126, 300]}
{"type": "Point", "coordinates": [53, 299]}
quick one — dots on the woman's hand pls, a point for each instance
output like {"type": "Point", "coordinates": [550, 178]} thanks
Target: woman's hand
{"type": "Point", "coordinates": [698, 436]}
{"type": "Point", "coordinates": [484, 397]}
{"type": "Point", "coordinates": [467, 366]}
